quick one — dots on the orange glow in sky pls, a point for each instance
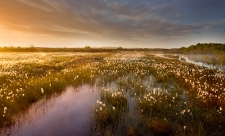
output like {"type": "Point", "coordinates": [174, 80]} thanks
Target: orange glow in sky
{"type": "Point", "coordinates": [102, 23]}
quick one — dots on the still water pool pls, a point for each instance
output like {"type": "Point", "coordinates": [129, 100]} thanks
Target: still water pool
{"type": "Point", "coordinates": [67, 114]}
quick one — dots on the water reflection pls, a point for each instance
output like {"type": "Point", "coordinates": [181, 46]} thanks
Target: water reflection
{"type": "Point", "coordinates": [204, 60]}
{"type": "Point", "coordinates": [67, 114]}
{"type": "Point", "coordinates": [198, 61]}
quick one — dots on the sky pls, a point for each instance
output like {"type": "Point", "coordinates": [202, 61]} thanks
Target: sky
{"type": "Point", "coordinates": [111, 23]}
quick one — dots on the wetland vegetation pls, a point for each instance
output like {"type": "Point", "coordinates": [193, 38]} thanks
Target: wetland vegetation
{"type": "Point", "coordinates": [137, 93]}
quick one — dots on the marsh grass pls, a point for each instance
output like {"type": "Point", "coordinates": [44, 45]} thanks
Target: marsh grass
{"type": "Point", "coordinates": [110, 110]}
{"type": "Point", "coordinates": [201, 104]}
{"type": "Point", "coordinates": [133, 131]}
{"type": "Point", "coordinates": [151, 95]}
{"type": "Point", "coordinates": [31, 81]}
{"type": "Point", "coordinates": [181, 101]}
{"type": "Point", "coordinates": [158, 127]}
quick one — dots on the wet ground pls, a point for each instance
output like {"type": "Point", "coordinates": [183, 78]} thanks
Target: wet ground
{"type": "Point", "coordinates": [70, 112]}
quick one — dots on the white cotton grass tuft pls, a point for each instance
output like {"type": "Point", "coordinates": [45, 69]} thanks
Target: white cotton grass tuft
{"type": "Point", "coordinates": [42, 90]}
{"type": "Point", "coordinates": [113, 108]}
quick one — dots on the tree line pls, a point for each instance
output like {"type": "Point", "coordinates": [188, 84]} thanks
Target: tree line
{"type": "Point", "coordinates": [208, 47]}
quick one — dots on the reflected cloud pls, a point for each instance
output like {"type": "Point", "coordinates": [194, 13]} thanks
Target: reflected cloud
{"type": "Point", "coordinates": [70, 111]}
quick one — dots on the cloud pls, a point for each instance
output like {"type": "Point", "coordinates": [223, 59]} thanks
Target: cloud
{"type": "Point", "coordinates": [101, 19]}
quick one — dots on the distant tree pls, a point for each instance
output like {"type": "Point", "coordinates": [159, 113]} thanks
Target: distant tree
{"type": "Point", "coordinates": [64, 48]}
{"type": "Point", "coordinates": [31, 46]}
{"type": "Point", "coordinates": [120, 48]}
{"type": "Point", "coordinates": [210, 47]}
{"type": "Point", "coordinates": [87, 47]}
{"type": "Point", "coordinates": [183, 49]}
{"type": "Point", "coordinates": [191, 47]}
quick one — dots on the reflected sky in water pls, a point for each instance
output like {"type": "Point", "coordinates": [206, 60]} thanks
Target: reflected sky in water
{"type": "Point", "coordinates": [204, 60]}
{"type": "Point", "coordinates": [195, 59]}
{"type": "Point", "coordinates": [67, 114]}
